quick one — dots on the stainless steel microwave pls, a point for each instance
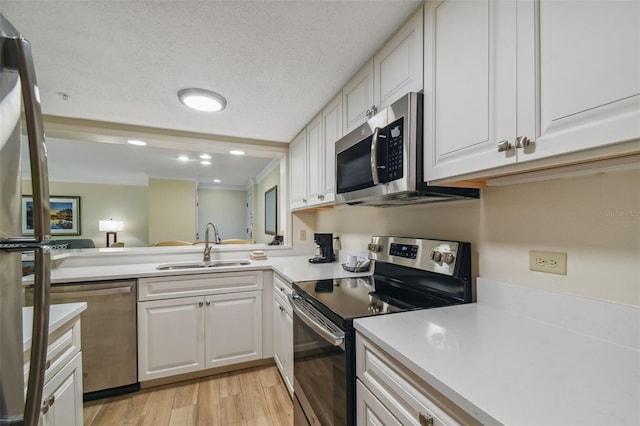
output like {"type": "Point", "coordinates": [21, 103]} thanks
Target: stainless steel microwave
{"type": "Point", "coordinates": [381, 162]}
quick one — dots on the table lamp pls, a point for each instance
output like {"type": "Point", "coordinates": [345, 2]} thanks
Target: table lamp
{"type": "Point", "coordinates": [111, 227]}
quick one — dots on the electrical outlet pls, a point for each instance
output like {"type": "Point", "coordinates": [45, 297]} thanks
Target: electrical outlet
{"type": "Point", "coordinates": [552, 262]}
{"type": "Point", "coordinates": [303, 234]}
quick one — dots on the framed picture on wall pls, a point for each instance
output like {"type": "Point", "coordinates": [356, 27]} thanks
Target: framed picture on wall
{"type": "Point", "coordinates": [64, 215]}
{"type": "Point", "coordinates": [271, 211]}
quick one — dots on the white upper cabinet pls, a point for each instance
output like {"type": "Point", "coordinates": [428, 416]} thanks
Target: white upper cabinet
{"type": "Point", "coordinates": [315, 153]}
{"type": "Point", "coordinates": [395, 70]}
{"type": "Point", "coordinates": [510, 82]}
{"type": "Point", "coordinates": [357, 98]}
{"type": "Point", "coordinates": [331, 131]}
{"type": "Point", "coordinates": [589, 83]}
{"type": "Point", "coordinates": [470, 85]}
{"type": "Point", "coordinates": [298, 170]}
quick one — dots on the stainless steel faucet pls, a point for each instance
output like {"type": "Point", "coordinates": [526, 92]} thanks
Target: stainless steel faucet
{"type": "Point", "coordinates": [216, 238]}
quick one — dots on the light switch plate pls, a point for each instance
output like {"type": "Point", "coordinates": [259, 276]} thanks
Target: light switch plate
{"type": "Point", "coordinates": [303, 234]}
{"type": "Point", "coordinates": [552, 262]}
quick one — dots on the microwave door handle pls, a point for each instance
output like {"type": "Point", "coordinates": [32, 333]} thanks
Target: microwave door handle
{"type": "Point", "coordinates": [374, 156]}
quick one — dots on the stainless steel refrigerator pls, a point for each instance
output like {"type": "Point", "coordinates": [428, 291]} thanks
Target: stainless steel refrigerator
{"type": "Point", "coordinates": [18, 86]}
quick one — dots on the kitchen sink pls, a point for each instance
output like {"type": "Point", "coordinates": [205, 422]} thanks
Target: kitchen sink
{"type": "Point", "coordinates": [198, 265]}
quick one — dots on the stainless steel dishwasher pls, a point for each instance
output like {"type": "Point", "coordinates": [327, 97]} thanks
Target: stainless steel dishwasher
{"type": "Point", "coordinates": [108, 334]}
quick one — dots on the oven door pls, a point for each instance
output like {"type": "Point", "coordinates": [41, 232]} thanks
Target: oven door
{"type": "Point", "coordinates": [320, 367]}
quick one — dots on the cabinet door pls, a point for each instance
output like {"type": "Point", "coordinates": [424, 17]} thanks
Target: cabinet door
{"type": "Point", "coordinates": [397, 68]}
{"type": "Point", "coordinates": [370, 411]}
{"type": "Point", "coordinates": [357, 98]}
{"type": "Point", "coordinates": [288, 350]}
{"type": "Point", "coordinates": [470, 86]}
{"type": "Point", "coordinates": [278, 333]}
{"type": "Point", "coordinates": [233, 328]}
{"type": "Point", "coordinates": [315, 152]}
{"type": "Point", "coordinates": [589, 82]}
{"type": "Point", "coordinates": [62, 396]}
{"type": "Point", "coordinates": [332, 131]}
{"type": "Point", "coordinates": [298, 168]}
{"type": "Point", "coordinates": [170, 337]}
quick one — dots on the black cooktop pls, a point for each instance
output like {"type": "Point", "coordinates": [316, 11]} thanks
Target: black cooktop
{"type": "Point", "coordinates": [394, 287]}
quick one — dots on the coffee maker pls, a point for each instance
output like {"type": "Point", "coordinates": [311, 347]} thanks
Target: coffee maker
{"type": "Point", "coordinates": [324, 250]}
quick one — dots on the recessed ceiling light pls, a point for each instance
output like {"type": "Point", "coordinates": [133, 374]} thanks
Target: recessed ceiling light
{"type": "Point", "coordinates": [202, 100]}
{"type": "Point", "coordinates": [205, 156]}
{"type": "Point", "coordinates": [183, 158]}
{"type": "Point", "coordinates": [205, 163]}
{"type": "Point", "coordinates": [136, 142]}
{"type": "Point", "coordinates": [216, 180]}
{"type": "Point", "coordinates": [236, 152]}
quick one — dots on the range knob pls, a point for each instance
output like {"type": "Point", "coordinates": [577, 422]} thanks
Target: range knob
{"type": "Point", "coordinates": [449, 258]}
{"type": "Point", "coordinates": [374, 247]}
{"type": "Point", "coordinates": [436, 256]}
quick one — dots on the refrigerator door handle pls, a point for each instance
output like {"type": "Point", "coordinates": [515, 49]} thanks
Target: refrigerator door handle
{"type": "Point", "coordinates": [39, 336]}
{"type": "Point", "coordinates": [37, 147]}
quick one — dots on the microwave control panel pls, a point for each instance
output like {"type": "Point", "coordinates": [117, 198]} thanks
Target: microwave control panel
{"type": "Point", "coordinates": [395, 151]}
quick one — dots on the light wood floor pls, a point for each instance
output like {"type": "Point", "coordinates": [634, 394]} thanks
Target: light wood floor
{"type": "Point", "coordinates": [255, 396]}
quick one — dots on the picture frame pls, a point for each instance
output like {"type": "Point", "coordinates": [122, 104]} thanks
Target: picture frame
{"type": "Point", "coordinates": [271, 211]}
{"type": "Point", "coordinates": [64, 215]}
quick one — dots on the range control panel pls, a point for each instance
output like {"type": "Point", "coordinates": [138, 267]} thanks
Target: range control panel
{"type": "Point", "coordinates": [437, 256]}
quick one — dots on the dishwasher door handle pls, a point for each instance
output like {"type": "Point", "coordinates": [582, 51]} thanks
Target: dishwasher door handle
{"type": "Point", "coordinates": [92, 292]}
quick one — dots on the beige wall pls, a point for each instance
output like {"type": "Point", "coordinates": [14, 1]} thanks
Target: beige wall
{"type": "Point", "coordinates": [97, 201]}
{"type": "Point", "coordinates": [594, 219]}
{"type": "Point", "coordinates": [269, 181]}
{"type": "Point", "coordinates": [172, 210]}
{"type": "Point", "coordinates": [226, 208]}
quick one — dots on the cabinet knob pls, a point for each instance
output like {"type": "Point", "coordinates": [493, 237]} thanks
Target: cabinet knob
{"type": "Point", "coordinates": [304, 200]}
{"type": "Point", "coordinates": [522, 141]}
{"type": "Point", "coordinates": [504, 146]}
{"type": "Point", "coordinates": [425, 419]}
{"type": "Point", "coordinates": [208, 302]}
{"type": "Point", "coordinates": [200, 303]}
{"type": "Point", "coordinates": [281, 308]}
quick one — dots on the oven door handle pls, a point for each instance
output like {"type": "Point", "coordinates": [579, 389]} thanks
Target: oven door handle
{"type": "Point", "coordinates": [314, 319]}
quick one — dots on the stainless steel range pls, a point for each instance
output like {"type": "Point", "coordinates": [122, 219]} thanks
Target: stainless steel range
{"type": "Point", "coordinates": [410, 273]}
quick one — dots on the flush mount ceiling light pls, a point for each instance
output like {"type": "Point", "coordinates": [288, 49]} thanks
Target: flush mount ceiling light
{"type": "Point", "coordinates": [236, 152]}
{"type": "Point", "coordinates": [205, 156]}
{"type": "Point", "coordinates": [183, 158]}
{"type": "Point", "coordinates": [202, 100]}
{"type": "Point", "coordinates": [136, 142]}
{"type": "Point", "coordinates": [216, 180]}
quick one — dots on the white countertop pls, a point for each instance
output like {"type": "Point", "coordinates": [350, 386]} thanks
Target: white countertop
{"type": "Point", "coordinates": [58, 316]}
{"type": "Point", "coordinates": [502, 367]}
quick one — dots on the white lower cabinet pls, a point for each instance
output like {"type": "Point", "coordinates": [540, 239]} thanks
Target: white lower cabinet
{"type": "Point", "coordinates": [181, 333]}
{"type": "Point", "coordinates": [62, 396]}
{"type": "Point", "coordinates": [283, 332]}
{"type": "Point", "coordinates": [390, 394]}
{"type": "Point", "coordinates": [62, 391]}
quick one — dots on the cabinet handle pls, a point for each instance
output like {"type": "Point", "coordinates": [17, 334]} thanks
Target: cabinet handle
{"type": "Point", "coordinates": [372, 111]}
{"type": "Point", "coordinates": [281, 289]}
{"type": "Point", "coordinates": [522, 141]}
{"type": "Point", "coordinates": [425, 419]}
{"type": "Point", "coordinates": [47, 403]}
{"type": "Point", "coordinates": [200, 303]}
{"type": "Point", "coordinates": [504, 146]}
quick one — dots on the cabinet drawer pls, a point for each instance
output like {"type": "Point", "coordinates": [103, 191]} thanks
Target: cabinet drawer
{"type": "Point", "coordinates": [64, 343]}
{"type": "Point", "coordinates": [158, 288]}
{"type": "Point", "coordinates": [407, 397]}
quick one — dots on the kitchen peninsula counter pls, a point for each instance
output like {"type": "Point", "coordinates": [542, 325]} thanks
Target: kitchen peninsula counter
{"type": "Point", "coordinates": [293, 268]}
{"type": "Point", "coordinates": [522, 356]}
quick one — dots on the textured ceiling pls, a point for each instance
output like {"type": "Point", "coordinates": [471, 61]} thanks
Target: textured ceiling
{"type": "Point", "coordinates": [276, 62]}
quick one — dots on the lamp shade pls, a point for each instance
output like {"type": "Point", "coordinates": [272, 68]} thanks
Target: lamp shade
{"type": "Point", "coordinates": [110, 225]}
